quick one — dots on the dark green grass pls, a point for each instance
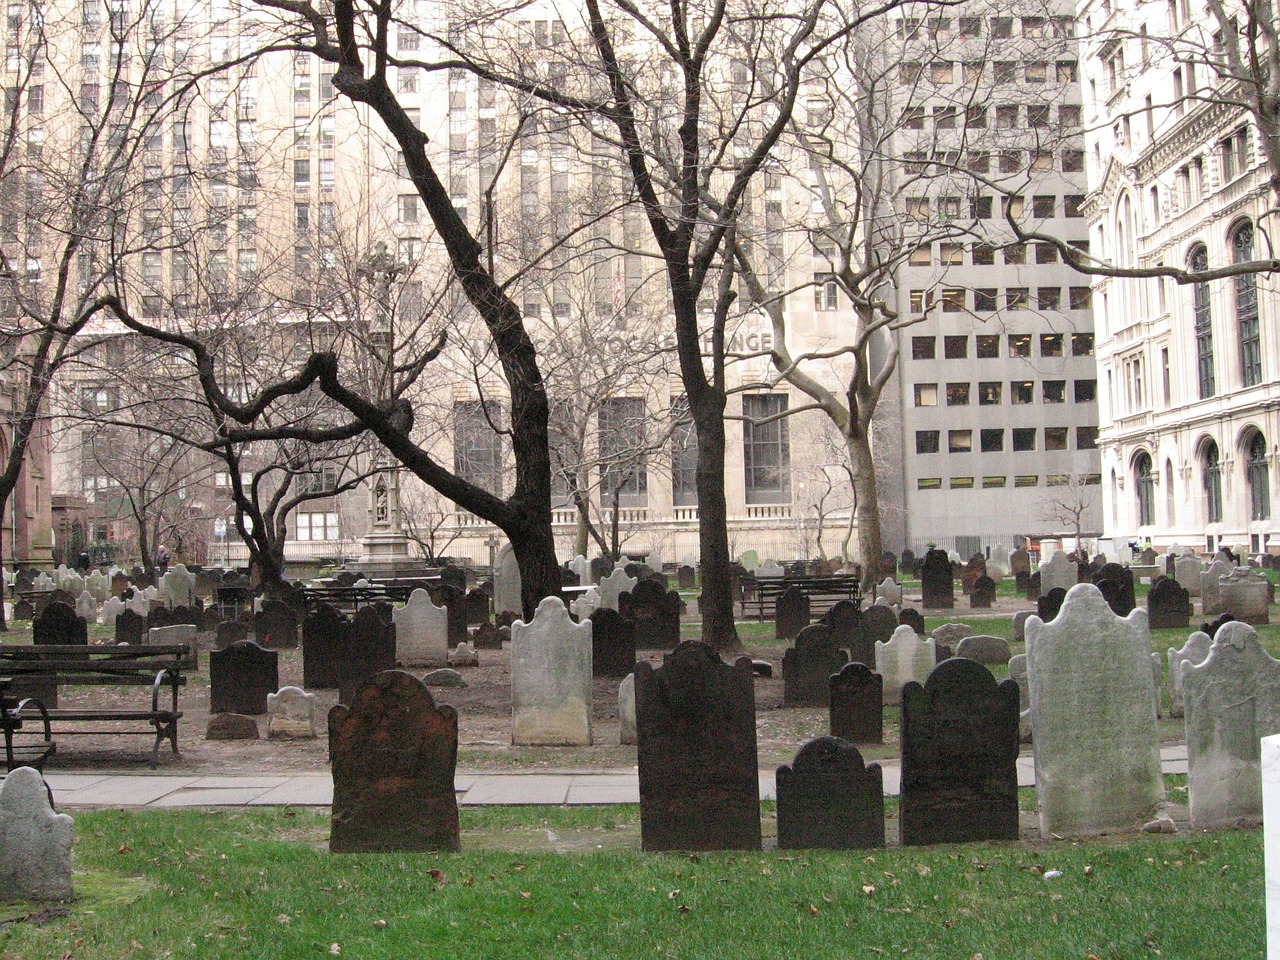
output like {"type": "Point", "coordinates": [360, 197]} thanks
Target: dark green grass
{"type": "Point", "coordinates": [261, 885]}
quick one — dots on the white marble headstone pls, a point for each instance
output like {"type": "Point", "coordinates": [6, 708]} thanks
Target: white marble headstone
{"type": "Point", "coordinates": [1187, 571]}
{"type": "Point", "coordinates": [291, 713]}
{"type": "Point", "coordinates": [613, 586]}
{"type": "Point", "coordinates": [1210, 587]}
{"type": "Point", "coordinates": [506, 582]}
{"type": "Point", "coordinates": [139, 604]}
{"type": "Point", "coordinates": [111, 609]}
{"type": "Point", "coordinates": [87, 607]}
{"type": "Point", "coordinates": [582, 567]}
{"type": "Point", "coordinates": [35, 842]}
{"type": "Point", "coordinates": [1194, 650]}
{"type": "Point", "coordinates": [422, 631]}
{"type": "Point", "coordinates": [770, 569]}
{"type": "Point", "coordinates": [903, 657]}
{"type": "Point", "coordinates": [890, 591]}
{"type": "Point", "coordinates": [551, 678]}
{"type": "Point", "coordinates": [1058, 572]}
{"type": "Point", "coordinates": [585, 604]}
{"type": "Point", "coordinates": [99, 584]}
{"type": "Point", "coordinates": [627, 709]}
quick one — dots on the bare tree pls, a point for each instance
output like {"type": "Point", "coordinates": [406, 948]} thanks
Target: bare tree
{"type": "Point", "coordinates": [1069, 500]}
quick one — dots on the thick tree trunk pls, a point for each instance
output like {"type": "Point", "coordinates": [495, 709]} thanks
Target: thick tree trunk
{"type": "Point", "coordinates": [870, 543]}
{"type": "Point", "coordinates": [535, 549]}
{"type": "Point", "coordinates": [716, 601]}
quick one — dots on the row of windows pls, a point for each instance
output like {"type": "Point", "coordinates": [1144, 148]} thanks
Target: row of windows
{"type": "Point", "coordinates": [1005, 116]}
{"type": "Point", "coordinates": [1257, 477]}
{"type": "Point", "coordinates": [1245, 289]}
{"type": "Point", "coordinates": [1000, 28]}
{"type": "Point", "coordinates": [989, 483]}
{"type": "Point", "coordinates": [940, 72]}
{"type": "Point", "coordinates": [1023, 439]}
{"type": "Point", "coordinates": [988, 299]}
{"type": "Point", "coordinates": [1021, 392]}
{"type": "Point", "coordinates": [1043, 207]}
{"type": "Point", "coordinates": [987, 346]}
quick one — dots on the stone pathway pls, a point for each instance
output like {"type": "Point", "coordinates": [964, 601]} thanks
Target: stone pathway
{"type": "Point", "coordinates": [586, 788]}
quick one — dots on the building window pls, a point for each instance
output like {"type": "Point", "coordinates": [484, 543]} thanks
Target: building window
{"type": "Point", "coordinates": [1086, 391]}
{"type": "Point", "coordinates": [1086, 438]}
{"type": "Point", "coordinates": [923, 348]}
{"type": "Point", "coordinates": [927, 441]}
{"type": "Point", "coordinates": [1233, 154]}
{"type": "Point", "coordinates": [1246, 289]}
{"type": "Point", "coordinates": [1024, 439]}
{"type": "Point", "coordinates": [1051, 344]}
{"type": "Point", "coordinates": [1145, 490]}
{"type": "Point", "coordinates": [477, 445]}
{"type": "Point", "coordinates": [988, 346]}
{"type": "Point", "coordinates": [1203, 319]}
{"type": "Point", "coordinates": [992, 441]}
{"type": "Point", "coordinates": [1055, 438]}
{"type": "Point", "coordinates": [317, 525]}
{"type": "Point", "coordinates": [957, 394]}
{"type": "Point", "coordinates": [1054, 391]}
{"type": "Point", "coordinates": [766, 448]}
{"type": "Point", "coordinates": [1211, 472]}
{"type": "Point", "coordinates": [989, 393]}
{"type": "Point", "coordinates": [1259, 484]}
{"type": "Point", "coordinates": [959, 441]}
{"type": "Point", "coordinates": [1022, 392]}
{"type": "Point", "coordinates": [926, 394]}
{"type": "Point", "coordinates": [826, 293]}
{"type": "Point", "coordinates": [684, 457]}
{"type": "Point", "coordinates": [1019, 344]}
{"type": "Point", "coordinates": [955, 348]}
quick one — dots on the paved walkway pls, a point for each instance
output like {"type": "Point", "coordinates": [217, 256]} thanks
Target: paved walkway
{"type": "Point", "coordinates": [578, 787]}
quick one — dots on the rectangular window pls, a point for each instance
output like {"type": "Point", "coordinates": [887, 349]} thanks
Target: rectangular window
{"type": "Point", "coordinates": [1015, 253]}
{"type": "Point", "coordinates": [957, 394]}
{"type": "Point", "coordinates": [988, 345]}
{"type": "Point", "coordinates": [1054, 391]}
{"type": "Point", "coordinates": [766, 448]}
{"type": "Point", "coordinates": [1049, 298]}
{"type": "Point", "coordinates": [1082, 299]}
{"type": "Point", "coordinates": [1022, 392]}
{"type": "Point", "coordinates": [961, 483]}
{"type": "Point", "coordinates": [953, 300]}
{"type": "Point", "coordinates": [1086, 391]}
{"type": "Point", "coordinates": [927, 441]}
{"type": "Point", "coordinates": [926, 394]}
{"type": "Point", "coordinates": [409, 205]}
{"type": "Point", "coordinates": [989, 393]}
{"type": "Point", "coordinates": [1006, 71]}
{"type": "Point", "coordinates": [992, 482]}
{"type": "Point", "coordinates": [316, 525]}
{"type": "Point", "coordinates": [301, 173]}
{"type": "Point", "coordinates": [975, 117]}
{"type": "Point", "coordinates": [955, 348]}
{"type": "Point", "coordinates": [929, 483]}
{"type": "Point", "coordinates": [1019, 344]}
{"type": "Point", "coordinates": [684, 456]}
{"type": "Point", "coordinates": [1050, 344]}
{"type": "Point", "coordinates": [1046, 253]}
{"type": "Point", "coordinates": [923, 348]}
{"type": "Point", "coordinates": [1086, 438]}
{"type": "Point", "coordinates": [984, 301]}
{"type": "Point", "coordinates": [1072, 205]}
{"type": "Point", "coordinates": [1072, 161]}
{"type": "Point", "coordinates": [1016, 298]}
{"type": "Point", "coordinates": [992, 441]}
{"type": "Point", "coordinates": [983, 255]}
{"type": "Point", "coordinates": [1026, 481]}
{"type": "Point", "coordinates": [477, 445]}
{"type": "Point", "coordinates": [1024, 439]}
{"type": "Point", "coordinates": [959, 441]}
{"type": "Point", "coordinates": [1055, 438]}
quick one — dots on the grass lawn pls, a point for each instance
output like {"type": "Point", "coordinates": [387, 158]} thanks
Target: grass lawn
{"type": "Point", "coordinates": [260, 884]}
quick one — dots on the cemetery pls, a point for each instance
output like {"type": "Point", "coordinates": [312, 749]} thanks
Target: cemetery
{"type": "Point", "coordinates": [923, 741]}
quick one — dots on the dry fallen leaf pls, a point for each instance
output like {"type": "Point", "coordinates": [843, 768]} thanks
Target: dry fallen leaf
{"type": "Point", "coordinates": [379, 924]}
{"type": "Point", "coordinates": [283, 918]}
{"type": "Point", "coordinates": [673, 894]}
{"type": "Point", "coordinates": [436, 875]}
{"type": "Point", "coordinates": [525, 894]}
{"type": "Point", "coordinates": [869, 889]}
{"type": "Point", "coordinates": [125, 848]}
{"type": "Point", "coordinates": [683, 908]}
{"type": "Point", "coordinates": [335, 950]}
{"type": "Point", "coordinates": [813, 910]}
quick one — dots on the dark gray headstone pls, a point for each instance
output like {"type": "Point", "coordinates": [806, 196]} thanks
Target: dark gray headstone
{"type": "Point", "coordinates": [131, 627]}
{"type": "Point", "coordinates": [913, 618]}
{"type": "Point", "coordinates": [1116, 584]}
{"type": "Point", "coordinates": [857, 704]}
{"type": "Point", "coordinates": [1047, 607]}
{"type": "Point", "coordinates": [687, 577]}
{"type": "Point", "coordinates": [1033, 586]}
{"type": "Point", "coordinates": [791, 613]}
{"type": "Point", "coordinates": [984, 649]}
{"type": "Point", "coordinates": [228, 632]}
{"type": "Point", "coordinates": [231, 726]}
{"type": "Point", "coordinates": [276, 626]}
{"type": "Point", "coordinates": [475, 607]}
{"type": "Point", "coordinates": [959, 756]}
{"type": "Point", "coordinates": [394, 753]}
{"type": "Point", "coordinates": [487, 637]}
{"type": "Point", "coordinates": [1168, 605]}
{"type": "Point", "coordinates": [807, 667]}
{"type": "Point", "coordinates": [829, 799]}
{"type": "Point", "coordinates": [1212, 627]}
{"type": "Point", "coordinates": [24, 610]}
{"type": "Point", "coordinates": [370, 649]}
{"type": "Point", "coordinates": [844, 619]}
{"type": "Point", "coordinates": [983, 594]}
{"type": "Point", "coordinates": [973, 570]}
{"type": "Point", "coordinates": [937, 583]}
{"type": "Point", "coordinates": [878, 624]}
{"type": "Point", "coordinates": [324, 642]}
{"type": "Point", "coordinates": [655, 612]}
{"type": "Point", "coordinates": [696, 733]}
{"type": "Point", "coordinates": [59, 623]}
{"type": "Point", "coordinates": [613, 644]}
{"type": "Point", "coordinates": [455, 577]}
{"type": "Point", "coordinates": [452, 599]}
{"type": "Point", "coordinates": [241, 676]}
{"type": "Point", "coordinates": [600, 568]}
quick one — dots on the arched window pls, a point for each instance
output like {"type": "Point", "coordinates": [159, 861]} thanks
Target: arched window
{"type": "Point", "coordinates": [1146, 491]}
{"type": "Point", "coordinates": [1259, 483]}
{"type": "Point", "coordinates": [1212, 473]}
{"type": "Point", "coordinates": [1198, 261]}
{"type": "Point", "coordinates": [1247, 307]}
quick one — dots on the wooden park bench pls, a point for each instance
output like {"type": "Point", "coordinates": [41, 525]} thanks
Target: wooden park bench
{"type": "Point", "coordinates": [23, 753]}
{"type": "Point", "coordinates": [352, 598]}
{"type": "Point", "coordinates": [49, 667]}
{"type": "Point", "coordinates": [760, 597]}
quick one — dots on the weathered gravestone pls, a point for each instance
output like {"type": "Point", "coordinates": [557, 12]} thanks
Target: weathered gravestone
{"type": "Point", "coordinates": [370, 648]}
{"type": "Point", "coordinates": [844, 620]}
{"type": "Point", "coordinates": [1168, 605]}
{"type": "Point", "coordinates": [551, 678]}
{"type": "Point", "coordinates": [488, 637]}
{"type": "Point", "coordinates": [422, 638]}
{"type": "Point", "coordinates": [913, 618]}
{"type": "Point", "coordinates": [58, 623]}
{"type": "Point", "coordinates": [1020, 626]}
{"type": "Point", "coordinates": [890, 591]}
{"type": "Point", "coordinates": [1058, 571]}
{"type": "Point", "coordinates": [1018, 674]}
{"type": "Point", "coordinates": [324, 641]}
{"type": "Point", "coordinates": [830, 799]}
{"type": "Point", "coordinates": [464, 655]}
{"type": "Point", "coordinates": [506, 582]}
{"type": "Point", "coordinates": [655, 612]}
{"type": "Point", "coordinates": [476, 607]}
{"type": "Point", "coordinates": [275, 626]}
{"type": "Point", "coordinates": [973, 570]}
{"type": "Point", "coordinates": [241, 677]}
{"type": "Point", "coordinates": [1048, 606]}
{"type": "Point", "coordinates": [174, 634]}
{"type": "Point", "coordinates": [87, 607]}
{"type": "Point", "coordinates": [877, 626]}
{"type": "Point", "coordinates": [228, 632]}
{"type": "Point", "coordinates": [1232, 700]}
{"type": "Point", "coordinates": [131, 627]}
{"type": "Point", "coordinates": [807, 667]}
{"type": "Point", "coordinates": [985, 650]}
{"type": "Point", "coordinates": [585, 604]}
{"type": "Point", "coordinates": [937, 583]}
{"type": "Point", "coordinates": [1210, 598]}
{"type": "Point", "coordinates": [231, 726]}
{"type": "Point", "coordinates": [983, 594]}
{"type": "Point", "coordinates": [1245, 593]}
{"type": "Point", "coordinates": [291, 712]}
{"type": "Point", "coordinates": [696, 727]}
{"type": "Point", "coordinates": [1097, 754]}
{"type": "Point", "coordinates": [959, 756]}
{"type": "Point", "coordinates": [687, 577]}
{"type": "Point", "coordinates": [951, 634]}
{"type": "Point", "coordinates": [35, 842]}
{"type": "Point", "coordinates": [857, 704]}
{"type": "Point", "coordinates": [627, 709]}
{"type": "Point", "coordinates": [614, 586]}
{"type": "Point", "coordinates": [613, 644]}
{"type": "Point", "coordinates": [450, 598]}
{"type": "Point", "coordinates": [1187, 571]}
{"type": "Point", "coordinates": [394, 753]}
{"type": "Point", "coordinates": [1116, 585]}
{"type": "Point", "coordinates": [905, 657]}
{"type": "Point", "coordinates": [791, 613]}
{"type": "Point", "coordinates": [1194, 650]}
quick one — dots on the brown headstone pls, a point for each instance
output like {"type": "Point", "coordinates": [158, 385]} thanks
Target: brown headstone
{"type": "Point", "coordinates": [231, 726]}
{"type": "Point", "coordinates": [830, 799]}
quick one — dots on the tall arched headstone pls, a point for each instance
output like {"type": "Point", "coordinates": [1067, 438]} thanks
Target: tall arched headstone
{"type": "Point", "coordinates": [1195, 650]}
{"type": "Point", "coordinates": [551, 678]}
{"type": "Point", "coordinates": [422, 632]}
{"type": "Point", "coordinates": [904, 657]}
{"type": "Point", "coordinates": [506, 583]}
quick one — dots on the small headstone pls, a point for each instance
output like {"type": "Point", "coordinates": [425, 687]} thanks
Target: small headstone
{"type": "Point", "coordinates": [1232, 700]}
{"type": "Point", "coordinates": [912, 618]}
{"type": "Point", "coordinates": [1245, 593]}
{"type": "Point", "coordinates": [1116, 584]}
{"type": "Point", "coordinates": [463, 655]}
{"type": "Point", "coordinates": [231, 726]}
{"type": "Point", "coordinates": [613, 644]}
{"type": "Point", "coordinates": [791, 613]}
{"type": "Point", "coordinates": [985, 650]}
{"type": "Point", "coordinates": [394, 754]}
{"type": "Point", "coordinates": [973, 570]}
{"type": "Point", "coordinates": [228, 632]}
{"type": "Point", "coordinates": [131, 627]}
{"type": "Point", "coordinates": [35, 842]}
{"type": "Point", "coordinates": [58, 623]}
{"type": "Point", "coordinates": [807, 667]}
{"type": "Point", "coordinates": [241, 677]}
{"type": "Point", "coordinates": [488, 637]}
{"type": "Point", "coordinates": [699, 777]}
{"type": "Point", "coordinates": [877, 626]}
{"type": "Point", "coordinates": [277, 621]}
{"type": "Point", "coordinates": [444, 677]}
{"type": "Point", "coordinates": [1194, 650]}
{"type": "Point", "coordinates": [506, 582]}
{"type": "Point", "coordinates": [1210, 601]}
{"type": "Point", "coordinates": [476, 607]}
{"type": "Point", "coordinates": [1168, 605]}
{"type": "Point", "coordinates": [769, 570]}
{"type": "Point", "coordinates": [905, 657]}
{"type": "Point", "coordinates": [762, 669]}
{"type": "Point", "coordinates": [844, 620]}
{"type": "Point", "coordinates": [1058, 571]}
{"type": "Point", "coordinates": [1212, 627]}
{"type": "Point", "coordinates": [421, 632]}
{"type": "Point", "coordinates": [959, 757]}
{"type": "Point", "coordinates": [87, 607]}
{"type": "Point", "coordinates": [829, 799]}
{"type": "Point", "coordinates": [1048, 606]}
{"type": "Point", "coordinates": [687, 577]}
{"type": "Point", "coordinates": [983, 594]}
{"type": "Point", "coordinates": [937, 581]}
{"type": "Point", "coordinates": [1020, 626]}
{"type": "Point", "coordinates": [291, 713]}
{"type": "Point", "coordinates": [906, 562]}
{"type": "Point", "coordinates": [952, 633]}
{"type": "Point", "coordinates": [857, 704]}
{"type": "Point", "coordinates": [1187, 570]}
{"type": "Point", "coordinates": [627, 709]}
{"type": "Point", "coordinates": [613, 586]}
{"type": "Point", "coordinates": [655, 612]}
{"type": "Point", "coordinates": [551, 678]}
{"type": "Point", "coordinates": [890, 591]}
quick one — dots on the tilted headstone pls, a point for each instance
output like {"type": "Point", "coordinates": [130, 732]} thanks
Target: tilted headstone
{"type": "Point", "coordinates": [58, 623]}
{"type": "Point", "coordinates": [1097, 753]}
{"type": "Point", "coordinates": [627, 709]}
{"type": "Point", "coordinates": [988, 651]}
{"type": "Point", "coordinates": [696, 727]}
{"type": "Point", "coordinates": [808, 665]}
{"type": "Point", "coordinates": [1232, 700]}
{"type": "Point", "coordinates": [613, 586]}
{"type": "Point", "coordinates": [1168, 605]}
{"type": "Point", "coordinates": [324, 641]}
{"type": "Point", "coordinates": [613, 644]}
{"type": "Point", "coordinates": [1194, 650]}
{"type": "Point", "coordinates": [830, 799]}
{"type": "Point", "coordinates": [35, 842]}
{"type": "Point", "coordinates": [476, 607]}
{"type": "Point", "coordinates": [1048, 606]}
{"type": "Point", "coordinates": [241, 677]}
{"type": "Point", "coordinates": [791, 613]}
{"type": "Point", "coordinates": [422, 638]}
{"type": "Point", "coordinates": [844, 620]}
{"type": "Point", "coordinates": [1187, 571]}
{"type": "Point", "coordinates": [370, 648]}
{"type": "Point", "coordinates": [959, 756]}
{"type": "Point", "coordinates": [905, 657]}
{"type": "Point", "coordinates": [585, 604]}
{"type": "Point", "coordinates": [87, 607]}
{"type": "Point", "coordinates": [1210, 600]}
{"type": "Point", "coordinates": [1245, 593]}
{"type": "Point", "coordinates": [276, 626]}
{"type": "Point", "coordinates": [937, 581]}
{"type": "Point", "coordinates": [394, 754]}
{"type": "Point", "coordinates": [857, 704]}
{"type": "Point", "coordinates": [506, 582]}
{"type": "Point", "coordinates": [655, 611]}
{"type": "Point", "coordinates": [551, 678]}
{"type": "Point", "coordinates": [291, 713]}
{"type": "Point", "coordinates": [983, 594]}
